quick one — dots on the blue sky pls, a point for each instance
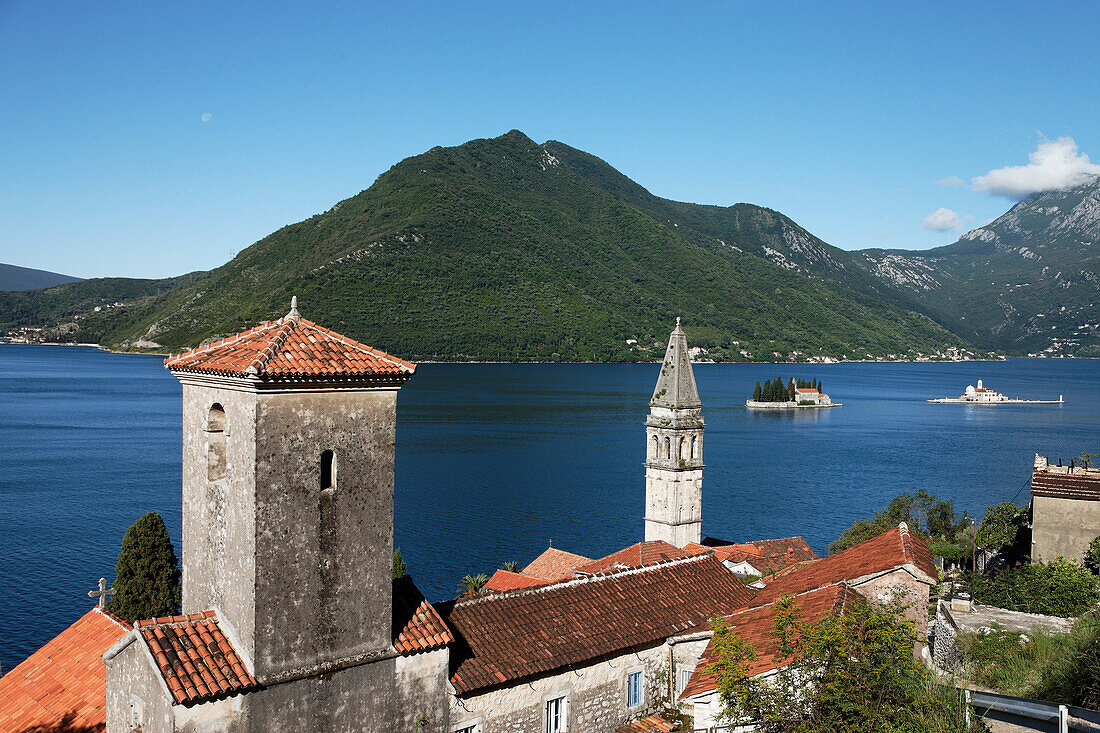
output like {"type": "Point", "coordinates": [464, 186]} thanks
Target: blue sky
{"type": "Point", "coordinates": [843, 116]}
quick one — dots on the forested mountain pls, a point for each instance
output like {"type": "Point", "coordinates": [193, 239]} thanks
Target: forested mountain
{"type": "Point", "coordinates": [1027, 282]}
{"type": "Point", "coordinates": [14, 277]}
{"type": "Point", "coordinates": [506, 249]}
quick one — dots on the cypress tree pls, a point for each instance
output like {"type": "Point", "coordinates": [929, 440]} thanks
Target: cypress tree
{"type": "Point", "coordinates": [756, 392]}
{"type": "Point", "coordinates": [147, 581]}
{"type": "Point", "coordinates": [400, 570]}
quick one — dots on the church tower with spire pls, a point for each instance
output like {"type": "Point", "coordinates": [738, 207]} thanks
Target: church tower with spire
{"type": "Point", "coordinates": [674, 450]}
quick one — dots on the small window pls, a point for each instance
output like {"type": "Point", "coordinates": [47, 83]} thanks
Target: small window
{"type": "Point", "coordinates": [215, 443]}
{"type": "Point", "coordinates": [555, 715]}
{"type": "Point", "coordinates": [634, 689]}
{"type": "Point", "coordinates": [668, 448]}
{"type": "Point", "coordinates": [328, 470]}
{"type": "Point", "coordinates": [682, 680]}
{"type": "Point", "coordinates": [467, 729]}
{"type": "Point", "coordinates": [694, 448]}
{"type": "Point", "coordinates": [655, 453]}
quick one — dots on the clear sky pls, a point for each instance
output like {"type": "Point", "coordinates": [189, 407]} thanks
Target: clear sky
{"type": "Point", "coordinates": [151, 139]}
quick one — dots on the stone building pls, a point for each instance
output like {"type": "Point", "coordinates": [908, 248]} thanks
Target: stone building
{"type": "Point", "coordinates": [1065, 510]}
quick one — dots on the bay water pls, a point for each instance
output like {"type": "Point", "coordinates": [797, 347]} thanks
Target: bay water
{"type": "Point", "coordinates": [497, 461]}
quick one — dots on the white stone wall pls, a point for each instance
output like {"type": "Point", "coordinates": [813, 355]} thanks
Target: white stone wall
{"type": "Point", "coordinates": [595, 697]}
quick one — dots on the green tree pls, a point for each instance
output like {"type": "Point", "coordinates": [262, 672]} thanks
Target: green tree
{"type": "Point", "coordinates": [1092, 556]}
{"type": "Point", "coordinates": [1058, 588]}
{"type": "Point", "coordinates": [1004, 528]}
{"type": "Point", "coordinates": [510, 566]}
{"type": "Point", "coordinates": [147, 574]}
{"type": "Point", "coordinates": [853, 672]}
{"type": "Point", "coordinates": [1086, 459]}
{"type": "Point", "coordinates": [399, 568]}
{"type": "Point", "coordinates": [756, 392]}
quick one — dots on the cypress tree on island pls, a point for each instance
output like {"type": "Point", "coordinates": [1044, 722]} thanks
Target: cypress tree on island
{"type": "Point", "coordinates": [147, 572]}
{"type": "Point", "coordinates": [756, 392]}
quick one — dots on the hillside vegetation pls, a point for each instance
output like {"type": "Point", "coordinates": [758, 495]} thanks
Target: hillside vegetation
{"type": "Point", "coordinates": [506, 249]}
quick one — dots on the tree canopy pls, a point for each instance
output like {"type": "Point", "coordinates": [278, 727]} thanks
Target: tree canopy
{"type": "Point", "coordinates": [147, 581]}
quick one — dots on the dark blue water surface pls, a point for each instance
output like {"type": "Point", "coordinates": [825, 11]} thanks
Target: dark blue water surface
{"type": "Point", "coordinates": [495, 461]}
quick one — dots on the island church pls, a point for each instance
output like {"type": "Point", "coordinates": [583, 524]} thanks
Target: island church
{"type": "Point", "coordinates": [292, 621]}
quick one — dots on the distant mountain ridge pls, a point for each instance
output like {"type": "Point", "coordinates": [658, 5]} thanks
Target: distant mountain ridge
{"type": "Point", "coordinates": [1027, 282]}
{"type": "Point", "coordinates": [14, 278]}
{"type": "Point", "coordinates": [504, 249]}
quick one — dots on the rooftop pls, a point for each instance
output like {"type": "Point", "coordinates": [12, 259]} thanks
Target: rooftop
{"type": "Point", "coordinates": [63, 685]}
{"type": "Point", "coordinates": [896, 547]}
{"type": "Point", "coordinates": [753, 626]}
{"type": "Point", "coordinates": [504, 637]}
{"type": "Point", "coordinates": [637, 555]}
{"type": "Point", "coordinates": [417, 626]}
{"type": "Point", "coordinates": [1064, 482]}
{"type": "Point", "coordinates": [290, 348]}
{"type": "Point", "coordinates": [554, 564]}
{"type": "Point", "coordinates": [195, 659]}
{"type": "Point", "coordinates": [676, 384]}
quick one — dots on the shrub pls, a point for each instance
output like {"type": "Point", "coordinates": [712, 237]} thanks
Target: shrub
{"type": "Point", "coordinates": [1092, 556]}
{"type": "Point", "coordinates": [1057, 588]}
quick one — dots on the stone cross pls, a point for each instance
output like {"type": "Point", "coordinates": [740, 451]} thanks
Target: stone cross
{"type": "Point", "coordinates": [103, 592]}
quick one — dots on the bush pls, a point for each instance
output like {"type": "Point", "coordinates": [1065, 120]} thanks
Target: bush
{"type": "Point", "coordinates": [147, 573]}
{"type": "Point", "coordinates": [1092, 556]}
{"type": "Point", "coordinates": [1057, 588]}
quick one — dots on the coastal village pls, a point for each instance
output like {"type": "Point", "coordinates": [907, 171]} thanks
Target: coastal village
{"type": "Point", "coordinates": [293, 618]}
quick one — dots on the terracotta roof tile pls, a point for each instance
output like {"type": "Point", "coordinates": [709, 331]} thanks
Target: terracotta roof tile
{"type": "Point", "coordinates": [63, 685]}
{"type": "Point", "coordinates": [501, 637]}
{"type": "Point", "coordinates": [289, 348]}
{"type": "Point", "coordinates": [767, 556]}
{"type": "Point", "coordinates": [648, 724]}
{"type": "Point", "coordinates": [637, 555]}
{"type": "Point", "coordinates": [1060, 483]}
{"type": "Point", "coordinates": [753, 626]}
{"type": "Point", "coordinates": [195, 659]}
{"type": "Point", "coordinates": [503, 580]}
{"type": "Point", "coordinates": [555, 564]}
{"type": "Point", "coordinates": [417, 626]}
{"type": "Point", "coordinates": [893, 548]}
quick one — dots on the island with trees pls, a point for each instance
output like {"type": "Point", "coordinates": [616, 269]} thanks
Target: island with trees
{"type": "Point", "coordinates": [793, 394]}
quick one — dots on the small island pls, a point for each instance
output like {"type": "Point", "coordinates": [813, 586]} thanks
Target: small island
{"type": "Point", "coordinates": [792, 395]}
{"type": "Point", "coordinates": [982, 395]}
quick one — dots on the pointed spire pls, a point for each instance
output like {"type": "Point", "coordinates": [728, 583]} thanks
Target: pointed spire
{"type": "Point", "coordinates": [676, 385]}
{"type": "Point", "coordinates": [293, 315]}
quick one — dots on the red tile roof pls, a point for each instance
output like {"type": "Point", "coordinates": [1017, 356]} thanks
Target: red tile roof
{"type": "Point", "coordinates": [1058, 482]}
{"type": "Point", "coordinates": [195, 659]}
{"type": "Point", "coordinates": [417, 626]}
{"type": "Point", "coordinates": [287, 348]}
{"type": "Point", "coordinates": [767, 556]}
{"type": "Point", "coordinates": [636, 556]}
{"type": "Point", "coordinates": [894, 548]}
{"type": "Point", "coordinates": [753, 625]}
{"type": "Point", "coordinates": [503, 637]}
{"type": "Point", "coordinates": [555, 564]}
{"type": "Point", "coordinates": [63, 685]}
{"type": "Point", "coordinates": [503, 580]}
{"type": "Point", "coordinates": [648, 724]}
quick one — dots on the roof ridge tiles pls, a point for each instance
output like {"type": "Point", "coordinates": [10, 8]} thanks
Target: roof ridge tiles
{"type": "Point", "coordinates": [586, 578]}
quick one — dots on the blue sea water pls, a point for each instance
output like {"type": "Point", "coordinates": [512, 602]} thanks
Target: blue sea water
{"type": "Point", "coordinates": [496, 461]}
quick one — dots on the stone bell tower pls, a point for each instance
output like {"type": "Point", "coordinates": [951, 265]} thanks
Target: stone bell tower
{"type": "Point", "coordinates": [288, 475]}
{"type": "Point", "coordinates": [674, 451]}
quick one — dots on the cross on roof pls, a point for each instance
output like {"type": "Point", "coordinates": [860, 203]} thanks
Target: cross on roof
{"type": "Point", "coordinates": [103, 592]}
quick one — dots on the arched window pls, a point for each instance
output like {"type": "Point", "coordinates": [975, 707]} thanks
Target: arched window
{"type": "Point", "coordinates": [694, 447]}
{"type": "Point", "coordinates": [215, 443]}
{"type": "Point", "coordinates": [328, 470]}
{"type": "Point", "coordinates": [654, 450]}
{"type": "Point", "coordinates": [668, 448]}
{"type": "Point", "coordinates": [683, 445]}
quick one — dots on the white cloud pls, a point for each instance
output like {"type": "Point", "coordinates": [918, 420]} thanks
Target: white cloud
{"type": "Point", "coordinates": [941, 220]}
{"type": "Point", "coordinates": [969, 218]}
{"type": "Point", "coordinates": [206, 116]}
{"type": "Point", "coordinates": [952, 181]}
{"type": "Point", "coordinates": [1054, 165]}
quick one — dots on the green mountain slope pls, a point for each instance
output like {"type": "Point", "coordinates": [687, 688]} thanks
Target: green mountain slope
{"type": "Point", "coordinates": [1027, 282]}
{"type": "Point", "coordinates": [496, 249]}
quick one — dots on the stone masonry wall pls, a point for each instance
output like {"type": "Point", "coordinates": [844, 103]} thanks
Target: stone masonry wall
{"type": "Point", "coordinates": [906, 589]}
{"type": "Point", "coordinates": [1063, 527]}
{"type": "Point", "coordinates": [423, 690]}
{"type": "Point", "coordinates": [135, 695]}
{"type": "Point", "coordinates": [595, 697]}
